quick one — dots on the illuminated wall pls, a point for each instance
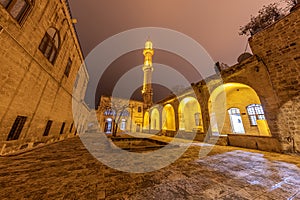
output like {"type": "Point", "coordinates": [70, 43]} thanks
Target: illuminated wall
{"type": "Point", "coordinates": [168, 118]}
{"type": "Point", "coordinates": [146, 120]}
{"type": "Point", "coordinates": [230, 96]}
{"type": "Point", "coordinates": [155, 119]}
{"type": "Point", "coordinates": [189, 114]}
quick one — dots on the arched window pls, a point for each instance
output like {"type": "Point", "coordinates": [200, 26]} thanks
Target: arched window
{"type": "Point", "coordinates": [50, 44]}
{"type": "Point", "coordinates": [255, 112]}
{"type": "Point", "coordinates": [125, 113]}
{"type": "Point", "coordinates": [18, 9]}
{"type": "Point", "coordinates": [109, 112]}
{"type": "Point", "coordinates": [123, 125]}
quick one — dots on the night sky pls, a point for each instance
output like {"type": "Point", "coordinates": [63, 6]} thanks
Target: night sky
{"type": "Point", "coordinates": [213, 24]}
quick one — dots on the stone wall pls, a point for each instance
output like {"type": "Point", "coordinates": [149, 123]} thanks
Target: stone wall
{"type": "Point", "coordinates": [133, 118]}
{"type": "Point", "coordinates": [255, 142]}
{"type": "Point", "coordinates": [278, 46]}
{"type": "Point", "coordinates": [30, 85]}
{"type": "Point", "coordinates": [273, 72]}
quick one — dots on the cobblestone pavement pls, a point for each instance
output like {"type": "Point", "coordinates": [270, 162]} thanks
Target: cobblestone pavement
{"type": "Point", "coordinates": [66, 170]}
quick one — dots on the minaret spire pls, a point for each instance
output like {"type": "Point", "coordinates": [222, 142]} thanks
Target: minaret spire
{"type": "Point", "coordinates": [147, 91]}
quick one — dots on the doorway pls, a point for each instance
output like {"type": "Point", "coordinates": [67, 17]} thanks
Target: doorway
{"type": "Point", "coordinates": [236, 120]}
{"type": "Point", "coordinates": [138, 128]}
{"type": "Point", "coordinates": [108, 125]}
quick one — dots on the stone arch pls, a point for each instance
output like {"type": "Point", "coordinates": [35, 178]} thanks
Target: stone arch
{"type": "Point", "coordinates": [241, 97]}
{"type": "Point", "coordinates": [189, 114]}
{"type": "Point", "coordinates": [146, 120]}
{"type": "Point", "coordinates": [155, 119]}
{"type": "Point", "coordinates": [168, 118]}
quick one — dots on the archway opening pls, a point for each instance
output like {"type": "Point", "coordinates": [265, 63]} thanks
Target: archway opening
{"type": "Point", "coordinates": [108, 125]}
{"type": "Point", "coordinates": [155, 120]}
{"type": "Point", "coordinates": [190, 117]}
{"type": "Point", "coordinates": [146, 121]}
{"type": "Point", "coordinates": [168, 118]}
{"type": "Point", "coordinates": [236, 108]}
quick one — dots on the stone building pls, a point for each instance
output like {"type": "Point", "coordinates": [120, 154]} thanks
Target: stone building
{"type": "Point", "coordinates": [128, 114]}
{"type": "Point", "coordinates": [40, 58]}
{"type": "Point", "coordinates": [255, 105]}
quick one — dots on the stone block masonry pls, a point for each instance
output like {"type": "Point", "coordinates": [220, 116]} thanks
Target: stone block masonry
{"type": "Point", "coordinates": [34, 87]}
{"type": "Point", "coordinates": [278, 47]}
{"type": "Point", "coordinates": [273, 72]}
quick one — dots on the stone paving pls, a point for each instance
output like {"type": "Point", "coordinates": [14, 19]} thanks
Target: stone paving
{"type": "Point", "coordinates": [66, 170]}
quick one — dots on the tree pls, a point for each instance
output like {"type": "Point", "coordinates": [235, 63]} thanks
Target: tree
{"type": "Point", "coordinates": [266, 16]}
{"type": "Point", "coordinates": [116, 108]}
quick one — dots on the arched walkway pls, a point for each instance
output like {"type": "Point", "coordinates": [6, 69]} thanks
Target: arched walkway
{"type": "Point", "coordinates": [155, 119]}
{"type": "Point", "coordinates": [146, 121]}
{"type": "Point", "coordinates": [236, 108]}
{"type": "Point", "coordinates": [190, 117]}
{"type": "Point", "coordinates": [168, 118]}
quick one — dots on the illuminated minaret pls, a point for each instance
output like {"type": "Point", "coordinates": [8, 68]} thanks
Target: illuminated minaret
{"type": "Point", "coordinates": [148, 69]}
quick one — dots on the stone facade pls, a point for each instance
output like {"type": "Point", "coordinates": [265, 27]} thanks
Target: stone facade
{"type": "Point", "coordinates": [278, 48]}
{"type": "Point", "coordinates": [36, 86]}
{"type": "Point", "coordinates": [128, 114]}
{"type": "Point", "coordinates": [273, 73]}
{"type": "Point", "coordinates": [42, 80]}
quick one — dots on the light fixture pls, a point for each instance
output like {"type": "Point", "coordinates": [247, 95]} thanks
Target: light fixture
{"type": "Point", "coordinates": [74, 21]}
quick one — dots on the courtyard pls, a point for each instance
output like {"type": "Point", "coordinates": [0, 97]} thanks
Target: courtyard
{"type": "Point", "coordinates": [66, 170]}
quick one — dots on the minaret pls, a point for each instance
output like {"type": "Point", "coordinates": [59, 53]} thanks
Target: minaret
{"type": "Point", "coordinates": [148, 69]}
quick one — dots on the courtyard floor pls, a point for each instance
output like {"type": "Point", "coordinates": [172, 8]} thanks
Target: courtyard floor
{"type": "Point", "coordinates": [66, 170]}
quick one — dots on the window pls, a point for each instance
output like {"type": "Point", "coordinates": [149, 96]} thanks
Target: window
{"type": "Point", "coordinates": [139, 109]}
{"type": "Point", "coordinates": [109, 112]}
{"type": "Point", "coordinates": [125, 113]}
{"type": "Point", "coordinates": [62, 128]}
{"type": "Point", "coordinates": [255, 112]}
{"type": "Point", "coordinates": [71, 127]}
{"type": "Point", "coordinates": [68, 68]}
{"type": "Point", "coordinates": [234, 111]}
{"type": "Point", "coordinates": [18, 9]}
{"type": "Point", "coordinates": [47, 129]}
{"type": "Point", "coordinates": [50, 44]}
{"type": "Point", "coordinates": [16, 129]}
{"type": "Point", "coordinates": [123, 125]}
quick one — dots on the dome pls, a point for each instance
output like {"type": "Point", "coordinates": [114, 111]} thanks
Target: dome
{"type": "Point", "coordinates": [243, 57]}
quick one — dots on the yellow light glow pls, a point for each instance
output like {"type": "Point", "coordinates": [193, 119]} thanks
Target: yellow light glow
{"type": "Point", "coordinates": [188, 107]}
{"type": "Point", "coordinates": [155, 119]}
{"type": "Point", "coordinates": [168, 118]}
{"type": "Point", "coordinates": [148, 45]}
{"type": "Point", "coordinates": [234, 95]}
